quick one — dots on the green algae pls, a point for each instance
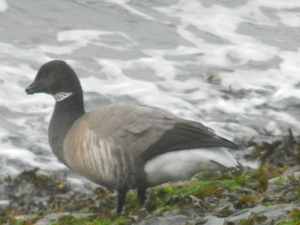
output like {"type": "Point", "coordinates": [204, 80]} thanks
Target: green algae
{"type": "Point", "coordinates": [85, 221]}
{"type": "Point", "coordinates": [289, 222]}
{"type": "Point", "coordinates": [267, 204]}
{"type": "Point", "coordinates": [280, 180]}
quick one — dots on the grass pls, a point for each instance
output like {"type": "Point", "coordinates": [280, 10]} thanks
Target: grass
{"type": "Point", "coordinates": [89, 221]}
{"type": "Point", "coordinates": [280, 180]}
{"type": "Point", "coordinates": [289, 222]}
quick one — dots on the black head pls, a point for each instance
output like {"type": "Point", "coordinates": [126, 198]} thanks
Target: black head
{"type": "Point", "coordinates": [55, 77]}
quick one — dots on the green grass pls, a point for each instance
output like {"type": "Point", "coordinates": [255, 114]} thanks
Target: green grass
{"type": "Point", "coordinates": [268, 203]}
{"type": "Point", "coordinates": [289, 222]}
{"type": "Point", "coordinates": [280, 180]}
{"type": "Point", "coordinates": [89, 221]}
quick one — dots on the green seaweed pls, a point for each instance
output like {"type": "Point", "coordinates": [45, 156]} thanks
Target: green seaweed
{"type": "Point", "coordinates": [295, 214]}
{"type": "Point", "coordinates": [254, 218]}
{"type": "Point", "coordinates": [213, 79]}
{"type": "Point", "coordinates": [268, 204]}
{"type": "Point", "coordinates": [289, 222]}
{"type": "Point", "coordinates": [279, 180]}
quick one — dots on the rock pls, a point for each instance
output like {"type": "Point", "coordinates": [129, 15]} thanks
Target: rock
{"type": "Point", "coordinates": [173, 220]}
{"type": "Point", "coordinates": [273, 214]}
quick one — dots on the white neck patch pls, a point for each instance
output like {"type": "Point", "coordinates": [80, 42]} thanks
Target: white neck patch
{"type": "Point", "coordinates": [62, 96]}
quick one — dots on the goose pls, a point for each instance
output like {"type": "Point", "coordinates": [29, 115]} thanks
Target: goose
{"type": "Point", "coordinates": [125, 146]}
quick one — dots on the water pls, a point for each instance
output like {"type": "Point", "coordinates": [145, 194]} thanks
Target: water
{"type": "Point", "coordinates": [232, 65]}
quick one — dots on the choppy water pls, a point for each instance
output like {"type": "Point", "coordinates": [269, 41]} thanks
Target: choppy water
{"type": "Point", "coordinates": [232, 65]}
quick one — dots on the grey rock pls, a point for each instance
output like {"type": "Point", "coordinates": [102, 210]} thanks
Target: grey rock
{"type": "Point", "coordinates": [173, 220]}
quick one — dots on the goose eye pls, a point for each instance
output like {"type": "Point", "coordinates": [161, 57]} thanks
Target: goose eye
{"type": "Point", "coordinates": [43, 74]}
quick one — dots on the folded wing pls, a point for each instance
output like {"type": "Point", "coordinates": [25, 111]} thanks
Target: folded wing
{"type": "Point", "coordinates": [148, 131]}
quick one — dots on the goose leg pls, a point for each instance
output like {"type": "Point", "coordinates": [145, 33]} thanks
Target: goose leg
{"type": "Point", "coordinates": [121, 200]}
{"type": "Point", "coordinates": [141, 196]}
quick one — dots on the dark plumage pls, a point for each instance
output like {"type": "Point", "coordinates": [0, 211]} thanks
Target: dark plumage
{"type": "Point", "coordinates": [125, 146]}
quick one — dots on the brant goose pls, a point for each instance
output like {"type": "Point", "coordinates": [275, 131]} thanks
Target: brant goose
{"type": "Point", "coordinates": [125, 146]}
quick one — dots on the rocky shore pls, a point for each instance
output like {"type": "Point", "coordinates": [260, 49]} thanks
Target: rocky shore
{"type": "Point", "coordinates": [267, 195]}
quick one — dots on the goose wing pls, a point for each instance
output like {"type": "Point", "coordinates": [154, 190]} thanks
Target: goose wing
{"type": "Point", "coordinates": [149, 131]}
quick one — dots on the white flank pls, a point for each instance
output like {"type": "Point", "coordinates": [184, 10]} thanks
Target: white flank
{"type": "Point", "coordinates": [183, 165]}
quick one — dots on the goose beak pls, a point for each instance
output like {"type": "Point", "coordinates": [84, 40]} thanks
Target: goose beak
{"type": "Point", "coordinates": [32, 89]}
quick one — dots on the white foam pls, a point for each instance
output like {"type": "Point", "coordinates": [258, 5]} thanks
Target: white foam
{"type": "Point", "coordinates": [28, 158]}
{"type": "Point", "coordinates": [130, 9]}
{"type": "Point", "coordinates": [290, 19]}
{"type": "Point", "coordinates": [83, 38]}
{"type": "Point", "coordinates": [3, 6]}
{"type": "Point", "coordinates": [9, 50]}
{"type": "Point", "coordinates": [4, 202]}
{"type": "Point", "coordinates": [288, 4]}
{"type": "Point", "coordinates": [141, 90]}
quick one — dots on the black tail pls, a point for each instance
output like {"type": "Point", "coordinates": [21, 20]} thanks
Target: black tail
{"type": "Point", "coordinates": [187, 134]}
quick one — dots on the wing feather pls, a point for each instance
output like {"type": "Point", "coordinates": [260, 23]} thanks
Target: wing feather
{"type": "Point", "coordinates": [149, 131]}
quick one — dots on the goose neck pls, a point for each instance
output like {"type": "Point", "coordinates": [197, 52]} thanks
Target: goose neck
{"type": "Point", "coordinates": [65, 113]}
